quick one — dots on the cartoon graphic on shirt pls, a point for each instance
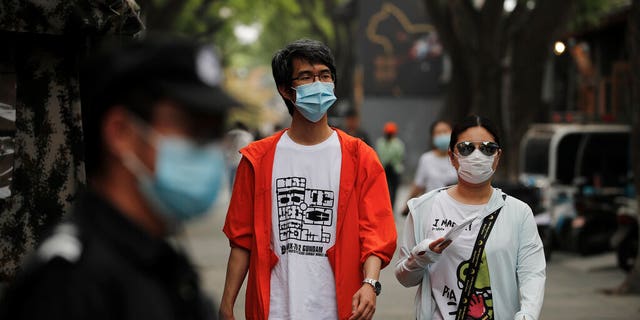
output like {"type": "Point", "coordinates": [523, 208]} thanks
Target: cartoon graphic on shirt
{"type": "Point", "coordinates": [303, 215]}
{"type": "Point", "coordinates": [481, 301]}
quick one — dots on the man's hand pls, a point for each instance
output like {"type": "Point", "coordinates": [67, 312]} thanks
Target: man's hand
{"type": "Point", "coordinates": [363, 303]}
{"type": "Point", "coordinates": [226, 313]}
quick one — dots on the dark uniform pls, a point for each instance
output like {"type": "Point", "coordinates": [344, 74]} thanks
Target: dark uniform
{"type": "Point", "coordinates": [100, 265]}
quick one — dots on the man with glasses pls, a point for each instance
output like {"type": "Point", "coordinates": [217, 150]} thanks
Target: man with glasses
{"type": "Point", "coordinates": [310, 218]}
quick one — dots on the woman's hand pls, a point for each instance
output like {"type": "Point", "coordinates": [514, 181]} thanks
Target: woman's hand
{"type": "Point", "coordinates": [426, 252]}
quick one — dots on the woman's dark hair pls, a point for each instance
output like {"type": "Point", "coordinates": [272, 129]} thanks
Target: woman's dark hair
{"type": "Point", "coordinates": [470, 122]}
{"type": "Point", "coordinates": [435, 123]}
{"type": "Point", "coordinates": [433, 127]}
{"type": "Point", "coordinates": [312, 51]}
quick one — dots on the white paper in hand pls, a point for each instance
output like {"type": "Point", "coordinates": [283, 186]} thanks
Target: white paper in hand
{"type": "Point", "coordinates": [421, 247]}
{"type": "Point", "coordinates": [455, 231]}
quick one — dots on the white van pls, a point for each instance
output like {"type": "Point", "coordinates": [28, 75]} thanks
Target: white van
{"type": "Point", "coordinates": [580, 169]}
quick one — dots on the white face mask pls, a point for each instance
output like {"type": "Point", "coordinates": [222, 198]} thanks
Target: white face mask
{"type": "Point", "coordinates": [475, 168]}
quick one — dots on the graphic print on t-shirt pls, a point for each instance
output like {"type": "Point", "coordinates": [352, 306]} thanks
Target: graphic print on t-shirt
{"type": "Point", "coordinates": [304, 215]}
{"type": "Point", "coordinates": [481, 300]}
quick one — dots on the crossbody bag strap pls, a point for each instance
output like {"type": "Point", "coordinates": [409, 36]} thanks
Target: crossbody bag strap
{"type": "Point", "coordinates": [474, 265]}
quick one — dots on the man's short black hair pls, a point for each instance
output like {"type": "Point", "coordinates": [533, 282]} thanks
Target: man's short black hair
{"type": "Point", "coordinates": [312, 51]}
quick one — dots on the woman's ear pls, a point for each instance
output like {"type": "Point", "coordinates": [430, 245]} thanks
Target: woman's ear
{"type": "Point", "coordinates": [453, 159]}
{"type": "Point", "coordinates": [496, 160]}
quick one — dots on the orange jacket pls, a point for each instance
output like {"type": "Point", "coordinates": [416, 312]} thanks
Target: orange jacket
{"type": "Point", "coordinates": [365, 224]}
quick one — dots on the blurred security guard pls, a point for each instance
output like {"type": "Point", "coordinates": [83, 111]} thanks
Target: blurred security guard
{"type": "Point", "coordinates": [156, 114]}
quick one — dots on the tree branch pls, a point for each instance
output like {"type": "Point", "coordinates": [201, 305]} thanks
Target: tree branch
{"type": "Point", "coordinates": [517, 19]}
{"type": "Point", "coordinates": [441, 20]}
{"type": "Point", "coordinates": [161, 17]}
{"type": "Point", "coordinates": [492, 11]}
{"type": "Point", "coordinates": [492, 17]}
{"type": "Point", "coordinates": [203, 8]}
{"type": "Point", "coordinates": [549, 15]}
{"type": "Point", "coordinates": [307, 10]}
{"type": "Point", "coordinates": [465, 23]}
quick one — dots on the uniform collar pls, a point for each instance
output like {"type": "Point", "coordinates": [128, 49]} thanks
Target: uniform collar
{"type": "Point", "coordinates": [99, 219]}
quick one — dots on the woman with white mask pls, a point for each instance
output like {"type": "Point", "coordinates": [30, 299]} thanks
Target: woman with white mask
{"type": "Point", "coordinates": [473, 251]}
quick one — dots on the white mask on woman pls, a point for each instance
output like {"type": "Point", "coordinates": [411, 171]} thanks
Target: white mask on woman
{"type": "Point", "coordinates": [475, 168]}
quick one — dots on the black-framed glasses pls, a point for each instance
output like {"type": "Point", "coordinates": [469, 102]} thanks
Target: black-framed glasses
{"type": "Point", "coordinates": [308, 77]}
{"type": "Point", "coordinates": [488, 148]}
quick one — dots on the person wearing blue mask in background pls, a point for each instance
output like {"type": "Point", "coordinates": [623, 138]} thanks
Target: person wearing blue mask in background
{"type": "Point", "coordinates": [434, 168]}
{"type": "Point", "coordinates": [154, 113]}
{"type": "Point", "coordinates": [309, 219]}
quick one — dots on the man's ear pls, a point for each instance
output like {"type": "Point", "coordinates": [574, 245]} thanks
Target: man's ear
{"type": "Point", "coordinates": [287, 92]}
{"type": "Point", "coordinates": [117, 131]}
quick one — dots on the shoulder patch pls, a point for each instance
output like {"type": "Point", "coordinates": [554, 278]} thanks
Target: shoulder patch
{"type": "Point", "coordinates": [63, 243]}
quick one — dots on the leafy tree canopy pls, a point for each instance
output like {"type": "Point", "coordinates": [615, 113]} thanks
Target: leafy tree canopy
{"type": "Point", "coordinates": [277, 21]}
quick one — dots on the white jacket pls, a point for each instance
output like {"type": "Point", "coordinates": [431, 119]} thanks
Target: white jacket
{"type": "Point", "coordinates": [514, 252]}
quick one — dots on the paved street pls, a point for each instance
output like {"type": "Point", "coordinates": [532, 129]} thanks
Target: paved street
{"type": "Point", "coordinates": [571, 292]}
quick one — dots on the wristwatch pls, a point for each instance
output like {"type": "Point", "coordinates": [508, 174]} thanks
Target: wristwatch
{"type": "Point", "coordinates": [377, 287]}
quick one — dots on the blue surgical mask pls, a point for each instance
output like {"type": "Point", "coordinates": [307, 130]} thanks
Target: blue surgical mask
{"type": "Point", "coordinates": [441, 141]}
{"type": "Point", "coordinates": [186, 181]}
{"type": "Point", "coordinates": [314, 99]}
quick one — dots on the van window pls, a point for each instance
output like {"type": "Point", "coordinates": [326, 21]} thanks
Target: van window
{"type": "Point", "coordinates": [566, 157]}
{"type": "Point", "coordinates": [605, 162]}
{"type": "Point", "coordinates": [536, 159]}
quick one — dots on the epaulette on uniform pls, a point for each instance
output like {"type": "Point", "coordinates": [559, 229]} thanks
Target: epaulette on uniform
{"type": "Point", "coordinates": [63, 243]}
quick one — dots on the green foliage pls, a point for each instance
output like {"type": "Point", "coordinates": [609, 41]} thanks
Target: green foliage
{"type": "Point", "coordinates": [588, 13]}
{"type": "Point", "coordinates": [247, 65]}
{"type": "Point", "coordinates": [280, 22]}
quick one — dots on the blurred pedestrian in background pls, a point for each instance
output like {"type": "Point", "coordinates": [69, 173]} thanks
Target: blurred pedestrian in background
{"type": "Point", "coordinates": [458, 277]}
{"type": "Point", "coordinates": [309, 217]}
{"type": "Point", "coordinates": [352, 126]}
{"type": "Point", "coordinates": [237, 138]}
{"type": "Point", "coordinates": [390, 149]}
{"type": "Point", "coordinates": [155, 114]}
{"type": "Point", "coordinates": [434, 167]}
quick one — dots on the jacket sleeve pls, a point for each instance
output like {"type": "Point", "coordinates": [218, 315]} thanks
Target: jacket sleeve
{"type": "Point", "coordinates": [238, 225]}
{"type": "Point", "coordinates": [530, 269]}
{"type": "Point", "coordinates": [376, 222]}
{"type": "Point", "coordinates": [410, 268]}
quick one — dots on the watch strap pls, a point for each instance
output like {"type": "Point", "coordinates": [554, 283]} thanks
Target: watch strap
{"type": "Point", "coordinates": [374, 283]}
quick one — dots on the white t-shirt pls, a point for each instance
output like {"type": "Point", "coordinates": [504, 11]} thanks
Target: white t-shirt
{"type": "Point", "coordinates": [446, 275]}
{"type": "Point", "coordinates": [434, 172]}
{"type": "Point", "coordinates": [306, 182]}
